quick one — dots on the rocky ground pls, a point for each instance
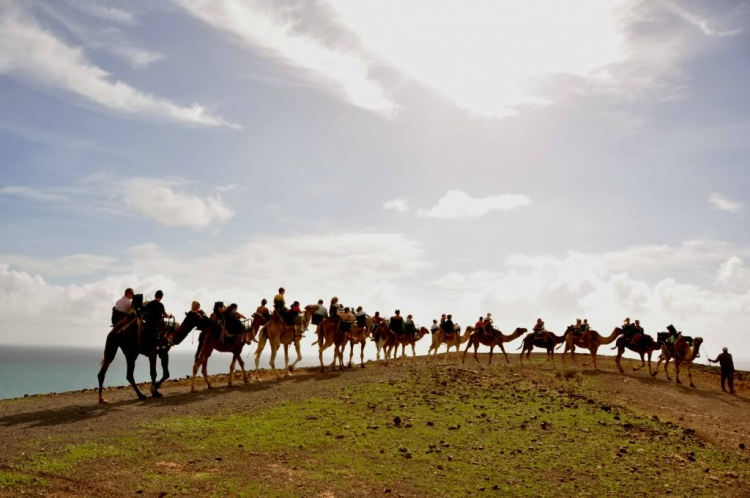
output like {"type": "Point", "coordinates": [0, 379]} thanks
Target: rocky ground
{"type": "Point", "coordinates": [424, 429]}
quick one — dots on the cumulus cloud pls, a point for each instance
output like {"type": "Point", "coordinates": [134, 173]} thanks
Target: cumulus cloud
{"type": "Point", "coordinates": [159, 201]}
{"type": "Point", "coordinates": [721, 203]}
{"type": "Point", "coordinates": [400, 205]}
{"type": "Point", "coordinates": [135, 56]}
{"type": "Point", "coordinates": [456, 204]}
{"type": "Point", "coordinates": [74, 264]}
{"type": "Point", "coordinates": [31, 53]}
{"type": "Point", "coordinates": [376, 270]}
{"type": "Point", "coordinates": [697, 21]}
{"type": "Point", "coordinates": [276, 33]}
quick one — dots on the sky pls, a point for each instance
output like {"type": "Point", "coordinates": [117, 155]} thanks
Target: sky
{"type": "Point", "coordinates": [528, 158]}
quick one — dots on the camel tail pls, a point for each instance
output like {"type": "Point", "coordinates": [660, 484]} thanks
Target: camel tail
{"type": "Point", "coordinates": [110, 349]}
{"type": "Point", "coordinates": [314, 343]}
{"type": "Point", "coordinates": [613, 347]}
{"type": "Point", "coordinates": [201, 338]}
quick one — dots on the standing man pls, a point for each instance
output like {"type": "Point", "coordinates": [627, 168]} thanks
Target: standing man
{"type": "Point", "coordinates": [727, 369]}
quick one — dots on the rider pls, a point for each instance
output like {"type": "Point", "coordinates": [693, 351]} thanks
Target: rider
{"type": "Point", "coordinates": [335, 308]}
{"type": "Point", "coordinates": [435, 327]}
{"type": "Point", "coordinates": [293, 313]}
{"type": "Point", "coordinates": [409, 326]}
{"type": "Point", "coordinates": [377, 318]}
{"type": "Point", "coordinates": [447, 326]}
{"type": "Point", "coordinates": [361, 318]}
{"type": "Point", "coordinates": [320, 314]}
{"type": "Point", "coordinates": [279, 302]}
{"type": "Point", "coordinates": [397, 322]}
{"type": "Point", "coordinates": [578, 328]}
{"type": "Point", "coordinates": [585, 327]}
{"type": "Point", "coordinates": [196, 308]}
{"type": "Point", "coordinates": [263, 311]}
{"type": "Point", "coordinates": [480, 324]}
{"type": "Point", "coordinates": [233, 317]}
{"type": "Point", "coordinates": [219, 309]}
{"type": "Point", "coordinates": [637, 333]}
{"type": "Point", "coordinates": [346, 319]}
{"type": "Point", "coordinates": [123, 306]}
{"type": "Point", "coordinates": [155, 314]}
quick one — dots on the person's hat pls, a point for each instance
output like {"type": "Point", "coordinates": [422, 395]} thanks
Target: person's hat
{"type": "Point", "coordinates": [626, 320]}
{"type": "Point", "coordinates": [725, 349]}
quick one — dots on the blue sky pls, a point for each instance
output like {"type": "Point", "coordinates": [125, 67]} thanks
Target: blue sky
{"type": "Point", "coordinates": [526, 158]}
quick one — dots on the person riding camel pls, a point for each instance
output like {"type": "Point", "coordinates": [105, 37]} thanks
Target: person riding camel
{"type": "Point", "coordinates": [637, 333]}
{"type": "Point", "coordinates": [320, 314]}
{"type": "Point", "coordinates": [377, 318]}
{"type": "Point", "coordinates": [409, 326]}
{"type": "Point", "coordinates": [195, 307]}
{"type": "Point", "coordinates": [585, 327]}
{"type": "Point", "coordinates": [279, 302]}
{"type": "Point", "coordinates": [154, 314]}
{"type": "Point", "coordinates": [435, 327]}
{"type": "Point", "coordinates": [578, 328]}
{"type": "Point", "coordinates": [263, 311]}
{"type": "Point", "coordinates": [673, 334]}
{"type": "Point", "coordinates": [361, 318]}
{"type": "Point", "coordinates": [335, 310]}
{"type": "Point", "coordinates": [346, 318]}
{"type": "Point", "coordinates": [290, 316]}
{"type": "Point", "coordinates": [123, 307]}
{"type": "Point", "coordinates": [539, 331]}
{"type": "Point", "coordinates": [480, 324]}
{"type": "Point", "coordinates": [218, 313]}
{"type": "Point", "coordinates": [397, 322]}
{"type": "Point", "coordinates": [448, 327]}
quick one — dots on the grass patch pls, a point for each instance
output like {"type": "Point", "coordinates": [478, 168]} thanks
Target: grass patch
{"type": "Point", "coordinates": [12, 479]}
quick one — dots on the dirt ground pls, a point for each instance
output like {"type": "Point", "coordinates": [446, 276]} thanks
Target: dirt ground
{"type": "Point", "coordinates": [56, 444]}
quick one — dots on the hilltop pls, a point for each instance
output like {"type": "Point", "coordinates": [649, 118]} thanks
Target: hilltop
{"type": "Point", "coordinates": [425, 429]}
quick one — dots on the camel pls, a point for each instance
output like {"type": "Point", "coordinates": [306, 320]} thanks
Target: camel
{"type": "Point", "coordinates": [127, 335]}
{"type": "Point", "coordinates": [548, 341]}
{"type": "Point", "coordinates": [215, 338]}
{"type": "Point", "coordinates": [359, 335]}
{"type": "Point", "coordinates": [277, 332]}
{"type": "Point", "coordinates": [394, 340]}
{"type": "Point", "coordinates": [491, 339]}
{"type": "Point", "coordinates": [682, 354]}
{"type": "Point", "coordinates": [380, 336]}
{"type": "Point", "coordinates": [591, 340]}
{"type": "Point", "coordinates": [646, 346]}
{"type": "Point", "coordinates": [329, 335]}
{"type": "Point", "coordinates": [451, 340]}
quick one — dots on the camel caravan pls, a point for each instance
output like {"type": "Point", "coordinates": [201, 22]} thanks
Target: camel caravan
{"type": "Point", "coordinates": [145, 328]}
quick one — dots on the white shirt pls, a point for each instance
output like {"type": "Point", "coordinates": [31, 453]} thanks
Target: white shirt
{"type": "Point", "coordinates": [360, 313]}
{"type": "Point", "coordinates": [124, 304]}
{"type": "Point", "coordinates": [322, 311]}
{"type": "Point", "coordinates": [434, 327]}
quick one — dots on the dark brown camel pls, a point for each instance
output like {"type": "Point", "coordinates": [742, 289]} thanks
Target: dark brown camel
{"type": "Point", "coordinates": [394, 340]}
{"type": "Point", "coordinates": [214, 337]}
{"type": "Point", "coordinates": [547, 341]}
{"type": "Point", "coordinates": [591, 340]}
{"type": "Point", "coordinates": [130, 336]}
{"type": "Point", "coordinates": [646, 346]}
{"type": "Point", "coordinates": [492, 339]}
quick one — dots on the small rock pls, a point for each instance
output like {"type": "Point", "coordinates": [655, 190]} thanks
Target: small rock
{"type": "Point", "coordinates": [742, 446]}
{"type": "Point", "coordinates": [732, 475]}
{"type": "Point", "coordinates": [430, 423]}
{"type": "Point", "coordinates": [387, 490]}
{"type": "Point", "coordinates": [397, 421]}
{"type": "Point", "coordinates": [218, 459]}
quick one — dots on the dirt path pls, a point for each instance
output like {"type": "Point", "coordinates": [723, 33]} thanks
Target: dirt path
{"type": "Point", "coordinates": [35, 428]}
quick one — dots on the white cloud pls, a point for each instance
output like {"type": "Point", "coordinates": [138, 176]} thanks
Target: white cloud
{"type": "Point", "coordinates": [721, 203]}
{"type": "Point", "coordinates": [276, 34]}
{"type": "Point", "coordinates": [376, 270]}
{"type": "Point", "coordinates": [400, 205]}
{"type": "Point", "coordinates": [489, 57]}
{"type": "Point", "coordinates": [29, 52]}
{"type": "Point", "coordinates": [75, 264]}
{"type": "Point", "coordinates": [135, 56]}
{"type": "Point", "coordinates": [32, 194]}
{"type": "Point", "coordinates": [696, 20]}
{"type": "Point", "coordinates": [158, 200]}
{"type": "Point", "coordinates": [113, 14]}
{"type": "Point", "coordinates": [456, 205]}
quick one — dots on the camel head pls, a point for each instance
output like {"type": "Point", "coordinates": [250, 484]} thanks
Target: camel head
{"type": "Point", "coordinates": [422, 332]}
{"type": "Point", "coordinates": [519, 332]}
{"type": "Point", "coordinates": [192, 320]}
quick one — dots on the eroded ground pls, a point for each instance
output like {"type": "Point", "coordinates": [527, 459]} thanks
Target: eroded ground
{"type": "Point", "coordinates": [415, 430]}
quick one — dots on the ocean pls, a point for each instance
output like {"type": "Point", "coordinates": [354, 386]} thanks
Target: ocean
{"type": "Point", "coordinates": [46, 369]}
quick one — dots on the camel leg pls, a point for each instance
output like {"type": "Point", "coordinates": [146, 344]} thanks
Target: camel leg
{"type": "Point", "coordinates": [320, 357]}
{"type": "Point", "coordinates": [286, 360]}
{"type": "Point", "coordinates": [643, 363]}
{"type": "Point", "coordinates": [164, 357]}
{"type": "Point", "coordinates": [231, 371]}
{"type": "Point", "coordinates": [204, 371]}
{"type": "Point", "coordinates": [261, 345]}
{"type": "Point", "coordinates": [110, 351]}
{"type": "Point", "coordinates": [362, 354]}
{"type": "Point", "coordinates": [492, 349]}
{"type": "Point", "coordinates": [618, 358]}
{"type": "Point", "coordinates": [242, 367]}
{"type": "Point", "coordinates": [502, 348]}
{"type": "Point", "coordinates": [649, 363]}
{"type": "Point", "coordinates": [129, 376]}
{"type": "Point", "coordinates": [551, 353]}
{"type": "Point", "coordinates": [196, 366]}
{"type": "Point", "coordinates": [677, 371]}
{"type": "Point", "coordinates": [351, 353]}
{"type": "Point", "coordinates": [152, 373]}
{"type": "Point", "coordinates": [658, 365]}
{"type": "Point", "coordinates": [690, 374]}
{"type": "Point", "coordinates": [666, 368]}
{"type": "Point", "coordinates": [299, 356]}
{"type": "Point", "coordinates": [447, 350]}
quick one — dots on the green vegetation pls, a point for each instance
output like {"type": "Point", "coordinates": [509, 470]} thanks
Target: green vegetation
{"type": "Point", "coordinates": [433, 432]}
